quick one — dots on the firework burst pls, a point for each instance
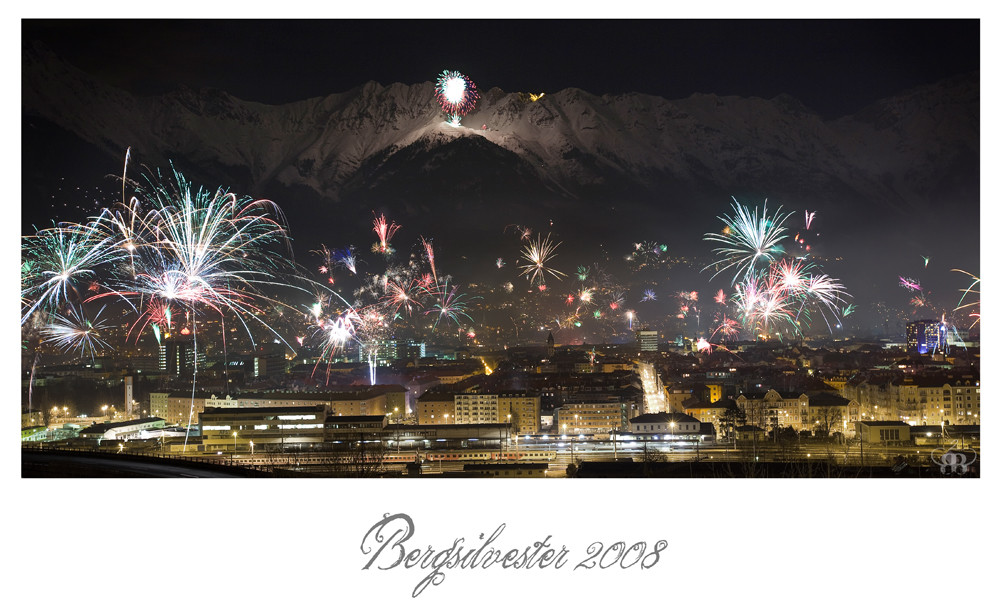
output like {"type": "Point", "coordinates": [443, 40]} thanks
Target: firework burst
{"type": "Point", "coordinates": [74, 331]}
{"type": "Point", "coordinates": [450, 305]}
{"type": "Point", "coordinates": [748, 240]}
{"type": "Point", "coordinates": [456, 94]}
{"type": "Point", "coordinates": [537, 254]}
{"type": "Point", "coordinates": [55, 261]}
{"type": "Point", "coordinates": [909, 284]}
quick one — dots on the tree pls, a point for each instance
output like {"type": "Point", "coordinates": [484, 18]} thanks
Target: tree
{"type": "Point", "coordinates": [732, 417]}
{"type": "Point", "coordinates": [827, 418]}
{"type": "Point", "coordinates": [364, 458]}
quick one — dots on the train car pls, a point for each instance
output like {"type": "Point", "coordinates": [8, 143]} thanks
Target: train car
{"type": "Point", "coordinates": [524, 455]}
{"type": "Point", "coordinates": [403, 457]}
{"type": "Point", "coordinates": [460, 455]}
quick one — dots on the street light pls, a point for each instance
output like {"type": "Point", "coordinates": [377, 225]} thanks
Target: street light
{"type": "Point", "coordinates": [234, 444]}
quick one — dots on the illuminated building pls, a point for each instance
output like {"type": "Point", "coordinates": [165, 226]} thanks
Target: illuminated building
{"type": "Point", "coordinates": [591, 418]}
{"type": "Point", "coordinates": [158, 404]}
{"type": "Point", "coordinates": [436, 408]}
{"type": "Point", "coordinates": [347, 426]}
{"type": "Point", "coordinates": [935, 399]}
{"type": "Point", "coordinates": [180, 406]}
{"type": "Point", "coordinates": [177, 356]}
{"type": "Point", "coordinates": [926, 336]}
{"type": "Point", "coordinates": [132, 429]}
{"type": "Point", "coordinates": [649, 340]}
{"type": "Point", "coordinates": [269, 361]}
{"type": "Point", "coordinates": [521, 409]}
{"type": "Point", "coordinates": [376, 400]}
{"type": "Point", "coordinates": [675, 425]}
{"type": "Point", "coordinates": [831, 413]}
{"type": "Point", "coordinates": [883, 432]}
{"type": "Point", "coordinates": [708, 413]}
{"type": "Point", "coordinates": [776, 410]}
{"type": "Point", "coordinates": [263, 426]}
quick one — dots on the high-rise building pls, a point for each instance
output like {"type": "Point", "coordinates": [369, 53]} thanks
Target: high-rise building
{"type": "Point", "coordinates": [269, 361]}
{"type": "Point", "coordinates": [926, 336]}
{"type": "Point", "coordinates": [649, 340]}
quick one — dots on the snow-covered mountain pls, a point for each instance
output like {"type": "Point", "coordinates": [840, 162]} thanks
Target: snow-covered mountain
{"type": "Point", "coordinates": [518, 159]}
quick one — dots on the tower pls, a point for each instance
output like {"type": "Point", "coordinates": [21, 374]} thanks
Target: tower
{"type": "Point", "coordinates": [128, 396]}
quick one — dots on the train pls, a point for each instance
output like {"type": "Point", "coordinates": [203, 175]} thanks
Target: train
{"type": "Point", "coordinates": [488, 455]}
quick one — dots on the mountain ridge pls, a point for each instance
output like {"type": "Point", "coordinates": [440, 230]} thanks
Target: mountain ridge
{"type": "Point", "coordinates": [387, 144]}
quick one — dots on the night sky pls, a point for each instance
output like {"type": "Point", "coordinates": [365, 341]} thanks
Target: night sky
{"type": "Point", "coordinates": [834, 67]}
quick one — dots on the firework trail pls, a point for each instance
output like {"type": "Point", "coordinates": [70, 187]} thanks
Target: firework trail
{"type": "Point", "coordinates": [524, 232]}
{"type": "Point", "coordinates": [809, 218]}
{"type": "Point", "coordinates": [331, 258]}
{"type": "Point", "coordinates": [974, 306]}
{"type": "Point", "coordinates": [345, 258]}
{"type": "Point", "coordinates": [616, 298]}
{"type": "Point", "coordinates": [689, 305]}
{"type": "Point", "coordinates": [327, 257]}
{"type": "Point", "coordinates": [429, 250]}
{"type": "Point", "coordinates": [384, 231]}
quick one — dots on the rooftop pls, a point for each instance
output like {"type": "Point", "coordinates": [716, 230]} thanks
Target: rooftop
{"type": "Point", "coordinates": [662, 417]}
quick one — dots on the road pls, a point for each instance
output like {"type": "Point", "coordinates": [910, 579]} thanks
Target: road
{"type": "Point", "coordinates": [655, 400]}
